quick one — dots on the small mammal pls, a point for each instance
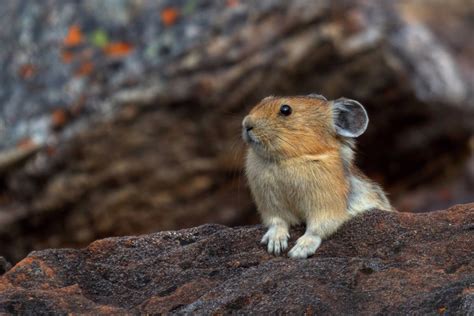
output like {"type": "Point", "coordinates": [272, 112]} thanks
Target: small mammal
{"type": "Point", "coordinates": [300, 168]}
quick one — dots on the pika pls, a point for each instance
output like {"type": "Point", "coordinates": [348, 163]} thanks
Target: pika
{"type": "Point", "coordinates": [300, 168]}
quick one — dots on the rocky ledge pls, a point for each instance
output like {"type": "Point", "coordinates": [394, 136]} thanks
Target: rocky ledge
{"type": "Point", "coordinates": [379, 263]}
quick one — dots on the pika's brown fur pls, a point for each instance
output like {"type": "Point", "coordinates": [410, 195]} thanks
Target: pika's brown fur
{"type": "Point", "coordinates": [300, 168]}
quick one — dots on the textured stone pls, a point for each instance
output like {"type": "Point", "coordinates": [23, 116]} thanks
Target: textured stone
{"type": "Point", "coordinates": [385, 263]}
{"type": "Point", "coordinates": [169, 158]}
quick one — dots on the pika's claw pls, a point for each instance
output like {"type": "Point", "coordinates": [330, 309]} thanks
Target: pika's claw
{"type": "Point", "coordinates": [276, 239]}
{"type": "Point", "coordinates": [305, 246]}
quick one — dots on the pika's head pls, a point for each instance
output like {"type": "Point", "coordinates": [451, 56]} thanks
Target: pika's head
{"type": "Point", "coordinates": [287, 127]}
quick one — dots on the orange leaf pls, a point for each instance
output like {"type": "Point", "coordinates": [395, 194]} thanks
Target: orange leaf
{"type": "Point", "coordinates": [169, 16]}
{"type": "Point", "coordinates": [85, 69]}
{"type": "Point", "coordinates": [73, 37]}
{"type": "Point", "coordinates": [118, 49]}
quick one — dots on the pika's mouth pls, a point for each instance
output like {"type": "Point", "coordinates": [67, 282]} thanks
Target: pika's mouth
{"type": "Point", "coordinates": [249, 137]}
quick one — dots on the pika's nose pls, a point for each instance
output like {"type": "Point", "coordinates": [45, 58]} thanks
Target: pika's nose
{"type": "Point", "coordinates": [247, 124]}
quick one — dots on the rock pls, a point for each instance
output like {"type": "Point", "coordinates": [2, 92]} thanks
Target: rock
{"type": "Point", "coordinates": [378, 263]}
{"type": "Point", "coordinates": [156, 144]}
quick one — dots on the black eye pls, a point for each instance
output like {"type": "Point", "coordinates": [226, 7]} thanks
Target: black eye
{"type": "Point", "coordinates": [285, 109]}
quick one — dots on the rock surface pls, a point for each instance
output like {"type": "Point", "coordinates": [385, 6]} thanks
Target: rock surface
{"type": "Point", "coordinates": [169, 158]}
{"type": "Point", "coordinates": [386, 263]}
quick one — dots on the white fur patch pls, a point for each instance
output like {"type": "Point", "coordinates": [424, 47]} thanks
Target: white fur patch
{"type": "Point", "coordinates": [305, 246]}
{"type": "Point", "coordinates": [276, 239]}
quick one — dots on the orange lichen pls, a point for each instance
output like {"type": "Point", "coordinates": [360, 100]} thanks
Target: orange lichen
{"type": "Point", "coordinates": [118, 49]}
{"type": "Point", "coordinates": [169, 16]}
{"type": "Point", "coordinates": [73, 37]}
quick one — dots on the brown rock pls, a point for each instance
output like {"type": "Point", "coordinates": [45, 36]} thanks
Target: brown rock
{"type": "Point", "coordinates": [170, 157]}
{"type": "Point", "coordinates": [379, 263]}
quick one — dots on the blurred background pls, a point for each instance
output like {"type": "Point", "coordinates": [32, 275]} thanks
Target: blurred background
{"type": "Point", "coordinates": [122, 117]}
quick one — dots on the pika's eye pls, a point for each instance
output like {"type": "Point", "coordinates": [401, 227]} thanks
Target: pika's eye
{"type": "Point", "coordinates": [285, 109]}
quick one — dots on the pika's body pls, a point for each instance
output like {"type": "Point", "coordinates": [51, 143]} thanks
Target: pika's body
{"type": "Point", "coordinates": [300, 168]}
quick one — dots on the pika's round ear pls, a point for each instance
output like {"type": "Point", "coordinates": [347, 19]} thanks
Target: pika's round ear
{"type": "Point", "coordinates": [317, 96]}
{"type": "Point", "coordinates": [268, 98]}
{"type": "Point", "coordinates": [350, 117]}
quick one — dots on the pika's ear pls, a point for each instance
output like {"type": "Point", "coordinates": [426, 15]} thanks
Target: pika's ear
{"type": "Point", "coordinates": [317, 96]}
{"type": "Point", "coordinates": [350, 117]}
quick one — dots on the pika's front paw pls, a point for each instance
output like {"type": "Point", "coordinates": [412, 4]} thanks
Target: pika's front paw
{"type": "Point", "coordinates": [276, 239]}
{"type": "Point", "coordinates": [305, 246]}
